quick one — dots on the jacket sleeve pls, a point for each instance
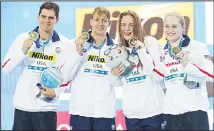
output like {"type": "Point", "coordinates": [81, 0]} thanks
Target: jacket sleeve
{"type": "Point", "coordinates": [200, 63]}
{"type": "Point", "coordinates": [154, 50]}
{"type": "Point", "coordinates": [115, 80]}
{"type": "Point", "coordinates": [68, 63]}
{"type": "Point", "coordinates": [146, 60]}
{"type": "Point", "coordinates": [14, 55]}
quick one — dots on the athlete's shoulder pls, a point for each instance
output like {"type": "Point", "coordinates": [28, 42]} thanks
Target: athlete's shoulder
{"type": "Point", "coordinates": [149, 38]}
{"type": "Point", "coordinates": [63, 38]}
{"type": "Point", "coordinates": [23, 35]}
{"type": "Point", "coordinates": [197, 44]}
{"type": "Point", "coordinates": [150, 41]}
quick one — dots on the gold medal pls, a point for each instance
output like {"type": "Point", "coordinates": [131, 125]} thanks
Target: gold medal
{"type": "Point", "coordinates": [34, 35]}
{"type": "Point", "coordinates": [133, 41]}
{"type": "Point", "coordinates": [85, 34]}
{"type": "Point", "coordinates": [176, 50]}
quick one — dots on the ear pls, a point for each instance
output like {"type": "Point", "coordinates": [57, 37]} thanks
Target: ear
{"type": "Point", "coordinates": [184, 28]}
{"type": "Point", "coordinates": [38, 17]}
{"type": "Point", "coordinates": [91, 22]}
{"type": "Point", "coordinates": [57, 19]}
{"type": "Point", "coordinates": [109, 23]}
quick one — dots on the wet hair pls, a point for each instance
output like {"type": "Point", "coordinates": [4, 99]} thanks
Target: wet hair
{"type": "Point", "coordinates": [101, 11]}
{"type": "Point", "coordinates": [50, 6]}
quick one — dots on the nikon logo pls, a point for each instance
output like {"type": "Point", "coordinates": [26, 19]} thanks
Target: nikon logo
{"type": "Point", "coordinates": [96, 58]}
{"type": "Point", "coordinates": [148, 24]}
{"type": "Point", "coordinates": [39, 55]}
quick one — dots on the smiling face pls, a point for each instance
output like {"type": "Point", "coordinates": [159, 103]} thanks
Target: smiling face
{"type": "Point", "coordinates": [47, 20]}
{"type": "Point", "coordinates": [173, 27]}
{"type": "Point", "coordinates": [100, 21]}
{"type": "Point", "coordinates": [127, 27]}
{"type": "Point", "coordinates": [99, 24]}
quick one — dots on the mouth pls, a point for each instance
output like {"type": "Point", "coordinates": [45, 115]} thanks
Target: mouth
{"type": "Point", "coordinates": [46, 25]}
{"type": "Point", "coordinates": [100, 28]}
{"type": "Point", "coordinates": [127, 34]}
{"type": "Point", "coordinates": [170, 34]}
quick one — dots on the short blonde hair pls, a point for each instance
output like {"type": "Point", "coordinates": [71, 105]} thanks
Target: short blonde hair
{"type": "Point", "coordinates": [101, 11]}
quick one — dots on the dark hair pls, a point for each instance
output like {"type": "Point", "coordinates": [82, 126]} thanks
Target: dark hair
{"type": "Point", "coordinates": [50, 6]}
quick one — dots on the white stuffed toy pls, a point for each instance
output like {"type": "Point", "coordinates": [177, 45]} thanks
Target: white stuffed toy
{"type": "Point", "coordinates": [116, 55]}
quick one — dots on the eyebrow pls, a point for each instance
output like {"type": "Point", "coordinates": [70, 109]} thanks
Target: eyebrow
{"type": "Point", "coordinates": [47, 16]}
{"type": "Point", "coordinates": [171, 24]}
{"type": "Point", "coordinates": [128, 23]}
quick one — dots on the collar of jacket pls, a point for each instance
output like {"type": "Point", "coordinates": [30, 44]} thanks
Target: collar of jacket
{"type": "Point", "coordinates": [185, 42]}
{"type": "Point", "coordinates": [55, 36]}
{"type": "Point", "coordinates": [109, 39]}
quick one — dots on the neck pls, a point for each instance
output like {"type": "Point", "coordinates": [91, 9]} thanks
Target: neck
{"type": "Point", "coordinates": [175, 43]}
{"type": "Point", "coordinates": [44, 35]}
{"type": "Point", "coordinates": [98, 39]}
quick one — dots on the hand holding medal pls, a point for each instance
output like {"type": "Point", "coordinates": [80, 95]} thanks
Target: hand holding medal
{"type": "Point", "coordinates": [86, 45]}
{"type": "Point", "coordinates": [176, 50]}
{"type": "Point", "coordinates": [183, 57]}
{"type": "Point", "coordinates": [134, 42]}
{"type": "Point", "coordinates": [81, 42]}
{"type": "Point", "coordinates": [33, 36]}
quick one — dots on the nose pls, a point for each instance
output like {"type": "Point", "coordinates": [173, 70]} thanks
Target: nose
{"type": "Point", "coordinates": [46, 19]}
{"type": "Point", "coordinates": [167, 30]}
{"type": "Point", "coordinates": [171, 29]}
{"type": "Point", "coordinates": [101, 22]}
{"type": "Point", "coordinates": [127, 27]}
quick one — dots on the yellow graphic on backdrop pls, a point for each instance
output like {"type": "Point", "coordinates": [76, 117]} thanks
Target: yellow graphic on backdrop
{"type": "Point", "coordinates": [151, 15]}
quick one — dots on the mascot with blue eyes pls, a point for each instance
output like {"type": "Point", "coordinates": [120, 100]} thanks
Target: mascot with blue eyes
{"type": "Point", "coordinates": [116, 55]}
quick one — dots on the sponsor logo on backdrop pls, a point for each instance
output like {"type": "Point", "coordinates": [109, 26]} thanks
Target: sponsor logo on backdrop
{"type": "Point", "coordinates": [151, 16]}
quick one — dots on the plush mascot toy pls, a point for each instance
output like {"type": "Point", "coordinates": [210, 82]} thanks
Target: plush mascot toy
{"type": "Point", "coordinates": [116, 55]}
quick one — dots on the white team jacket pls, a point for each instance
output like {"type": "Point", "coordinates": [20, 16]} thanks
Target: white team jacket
{"type": "Point", "coordinates": [91, 92]}
{"type": "Point", "coordinates": [142, 95]}
{"type": "Point", "coordinates": [180, 99]}
{"type": "Point", "coordinates": [32, 63]}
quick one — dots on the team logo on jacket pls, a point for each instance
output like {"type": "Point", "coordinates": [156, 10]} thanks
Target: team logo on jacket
{"type": "Point", "coordinates": [58, 50]}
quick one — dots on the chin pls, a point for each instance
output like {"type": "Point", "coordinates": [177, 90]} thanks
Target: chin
{"type": "Point", "coordinates": [173, 39]}
{"type": "Point", "coordinates": [127, 38]}
{"type": "Point", "coordinates": [101, 33]}
{"type": "Point", "coordinates": [170, 38]}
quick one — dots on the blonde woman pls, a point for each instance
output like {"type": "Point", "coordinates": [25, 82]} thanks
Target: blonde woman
{"type": "Point", "coordinates": [188, 68]}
